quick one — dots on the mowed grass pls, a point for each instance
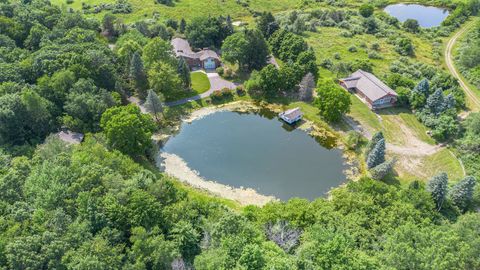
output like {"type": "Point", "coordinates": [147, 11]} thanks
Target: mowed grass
{"type": "Point", "coordinates": [188, 9]}
{"type": "Point", "coordinates": [390, 121]}
{"type": "Point", "coordinates": [429, 166]}
{"type": "Point", "coordinates": [200, 82]}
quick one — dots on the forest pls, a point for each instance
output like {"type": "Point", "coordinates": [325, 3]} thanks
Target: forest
{"type": "Point", "coordinates": [102, 204]}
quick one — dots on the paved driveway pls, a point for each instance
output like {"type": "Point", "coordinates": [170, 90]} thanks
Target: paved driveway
{"type": "Point", "coordinates": [216, 83]}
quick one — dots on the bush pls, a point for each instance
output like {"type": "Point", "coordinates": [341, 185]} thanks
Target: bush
{"type": "Point", "coordinates": [366, 10]}
{"type": "Point", "coordinates": [352, 49]}
{"type": "Point", "coordinates": [379, 172]}
{"type": "Point", "coordinates": [220, 71]}
{"type": "Point", "coordinates": [374, 55]}
{"type": "Point", "coordinates": [240, 90]}
{"type": "Point", "coordinates": [353, 140]}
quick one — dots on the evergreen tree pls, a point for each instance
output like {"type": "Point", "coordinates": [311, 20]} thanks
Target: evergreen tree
{"type": "Point", "coordinates": [436, 102]}
{"type": "Point", "coordinates": [462, 193]}
{"type": "Point", "coordinates": [379, 172]}
{"type": "Point", "coordinates": [184, 73]}
{"type": "Point", "coordinates": [373, 142]}
{"type": "Point", "coordinates": [377, 155]}
{"type": "Point", "coordinates": [183, 26]}
{"type": "Point", "coordinates": [266, 24]}
{"type": "Point", "coordinates": [437, 186]}
{"type": "Point", "coordinates": [423, 87]}
{"type": "Point", "coordinates": [153, 104]}
{"type": "Point", "coordinates": [138, 75]}
{"type": "Point", "coordinates": [449, 102]}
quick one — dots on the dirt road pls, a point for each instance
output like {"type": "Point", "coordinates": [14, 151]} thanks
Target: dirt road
{"type": "Point", "coordinates": [451, 66]}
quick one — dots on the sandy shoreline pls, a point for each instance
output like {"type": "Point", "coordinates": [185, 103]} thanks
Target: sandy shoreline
{"type": "Point", "coordinates": [178, 168]}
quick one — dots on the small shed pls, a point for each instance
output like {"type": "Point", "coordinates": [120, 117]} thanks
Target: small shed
{"type": "Point", "coordinates": [70, 136]}
{"type": "Point", "coordinates": [291, 116]}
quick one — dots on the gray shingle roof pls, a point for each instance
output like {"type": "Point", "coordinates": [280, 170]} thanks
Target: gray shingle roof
{"type": "Point", "coordinates": [182, 48]}
{"type": "Point", "coordinates": [368, 84]}
{"type": "Point", "coordinates": [292, 113]}
{"type": "Point", "coordinates": [70, 136]}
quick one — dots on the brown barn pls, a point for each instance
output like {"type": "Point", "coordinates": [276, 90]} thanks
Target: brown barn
{"type": "Point", "coordinates": [370, 89]}
{"type": "Point", "coordinates": [206, 59]}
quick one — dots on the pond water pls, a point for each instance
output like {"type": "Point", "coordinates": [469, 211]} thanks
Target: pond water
{"type": "Point", "coordinates": [425, 15]}
{"type": "Point", "coordinates": [253, 151]}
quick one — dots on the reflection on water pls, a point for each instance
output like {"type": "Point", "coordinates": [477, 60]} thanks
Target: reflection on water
{"type": "Point", "coordinates": [259, 151]}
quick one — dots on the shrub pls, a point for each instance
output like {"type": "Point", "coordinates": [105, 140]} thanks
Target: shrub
{"type": "Point", "coordinates": [366, 10]}
{"type": "Point", "coordinates": [326, 63]}
{"type": "Point", "coordinates": [374, 55]}
{"type": "Point", "coordinates": [352, 49]}
{"type": "Point", "coordinates": [379, 172]}
{"type": "Point", "coordinates": [240, 90]}
{"type": "Point", "coordinates": [337, 56]}
{"type": "Point", "coordinates": [220, 71]}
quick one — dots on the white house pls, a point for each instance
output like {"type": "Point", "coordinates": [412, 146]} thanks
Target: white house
{"type": "Point", "coordinates": [291, 116]}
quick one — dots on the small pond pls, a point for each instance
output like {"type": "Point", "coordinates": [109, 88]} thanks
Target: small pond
{"type": "Point", "coordinates": [254, 151]}
{"type": "Point", "coordinates": [425, 15]}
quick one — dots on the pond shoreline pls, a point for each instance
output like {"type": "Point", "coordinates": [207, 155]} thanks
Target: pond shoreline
{"type": "Point", "coordinates": [175, 166]}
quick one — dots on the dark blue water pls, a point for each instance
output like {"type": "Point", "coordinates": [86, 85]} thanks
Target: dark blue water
{"type": "Point", "coordinates": [248, 150]}
{"type": "Point", "coordinates": [426, 16]}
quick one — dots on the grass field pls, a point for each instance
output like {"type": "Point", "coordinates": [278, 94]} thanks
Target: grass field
{"type": "Point", "coordinates": [328, 41]}
{"type": "Point", "coordinates": [189, 9]}
{"type": "Point", "coordinates": [200, 82]}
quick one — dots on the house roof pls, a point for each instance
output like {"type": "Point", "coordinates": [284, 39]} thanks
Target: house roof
{"type": "Point", "coordinates": [205, 54]}
{"type": "Point", "coordinates": [70, 136]}
{"type": "Point", "coordinates": [292, 113]}
{"type": "Point", "coordinates": [368, 84]}
{"type": "Point", "coordinates": [182, 48]}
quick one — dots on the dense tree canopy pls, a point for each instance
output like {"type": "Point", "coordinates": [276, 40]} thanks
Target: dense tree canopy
{"type": "Point", "coordinates": [332, 101]}
{"type": "Point", "coordinates": [247, 48]}
{"type": "Point", "coordinates": [102, 204]}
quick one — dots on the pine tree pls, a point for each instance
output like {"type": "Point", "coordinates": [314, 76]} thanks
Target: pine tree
{"type": "Point", "coordinates": [138, 75]}
{"type": "Point", "coordinates": [183, 25]}
{"type": "Point", "coordinates": [379, 172]}
{"type": "Point", "coordinates": [373, 142]}
{"type": "Point", "coordinates": [462, 193]}
{"type": "Point", "coordinates": [153, 104]}
{"type": "Point", "coordinates": [377, 155]}
{"type": "Point", "coordinates": [437, 186]}
{"type": "Point", "coordinates": [184, 73]}
{"type": "Point", "coordinates": [436, 102]}
{"type": "Point", "coordinates": [423, 87]}
{"type": "Point", "coordinates": [449, 102]}
{"type": "Point", "coordinates": [305, 91]}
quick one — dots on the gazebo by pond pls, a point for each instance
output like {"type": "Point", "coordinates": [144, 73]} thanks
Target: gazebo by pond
{"type": "Point", "coordinates": [291, 116]}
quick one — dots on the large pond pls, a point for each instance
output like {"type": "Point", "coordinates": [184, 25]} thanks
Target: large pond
{"type": "Point", "coordinates": [253, 151]}
{"type": "Point", "coordinates": [425, 15]}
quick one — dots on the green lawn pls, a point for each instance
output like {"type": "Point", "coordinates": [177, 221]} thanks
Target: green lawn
{"type": "Point", "coordinates": [200, 82]}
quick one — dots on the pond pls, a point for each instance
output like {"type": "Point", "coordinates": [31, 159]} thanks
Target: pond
{"type": "Point", "coordinates": [254, 151]}
{"type": "Point", "coordinates": [426, 16]}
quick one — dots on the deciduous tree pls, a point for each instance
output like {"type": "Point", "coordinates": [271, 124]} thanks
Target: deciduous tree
{"type": "Point", "coordinates": [127, 129]}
